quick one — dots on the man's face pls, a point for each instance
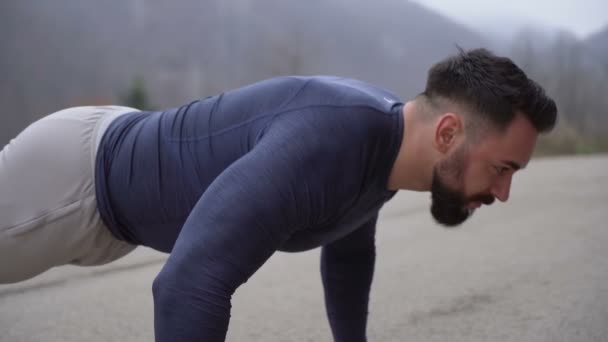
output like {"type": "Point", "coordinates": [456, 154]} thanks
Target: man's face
{"type": "Point", "coordinates": [475, 174]}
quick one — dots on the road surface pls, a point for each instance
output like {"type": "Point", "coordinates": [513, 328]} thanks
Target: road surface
{"type": "Point", "coordinates": [533, 269]}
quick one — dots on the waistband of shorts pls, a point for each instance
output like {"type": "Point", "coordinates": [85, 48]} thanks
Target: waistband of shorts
{"type": "Point", "coordinates": [110, 114]}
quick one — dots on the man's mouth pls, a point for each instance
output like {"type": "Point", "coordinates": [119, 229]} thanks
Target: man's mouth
{"type": "Point", "coordinates": [474, 205]}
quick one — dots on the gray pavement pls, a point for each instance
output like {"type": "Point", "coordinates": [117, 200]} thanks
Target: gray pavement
{"type": "Point", "coordinates": [533, 269]}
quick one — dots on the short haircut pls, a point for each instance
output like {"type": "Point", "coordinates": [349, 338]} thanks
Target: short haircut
{"type": "Point", "coordinates": [492, 88]}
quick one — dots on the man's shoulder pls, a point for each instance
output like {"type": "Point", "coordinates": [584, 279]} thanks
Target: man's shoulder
{"type": "Point", "coordinates": [338, 91]}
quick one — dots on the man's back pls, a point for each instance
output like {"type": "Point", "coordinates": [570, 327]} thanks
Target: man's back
{"type": "Point", "coordinates": [153, 167]}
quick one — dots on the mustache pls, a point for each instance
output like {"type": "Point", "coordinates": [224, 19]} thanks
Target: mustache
{"type": "Point", "coordinates": [453, 199]}
{"type": "Point", "coordinates": [485, 199]}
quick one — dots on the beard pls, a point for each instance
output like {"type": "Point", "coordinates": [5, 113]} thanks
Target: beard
{"type": "Point", "coordinates": [449, 205]}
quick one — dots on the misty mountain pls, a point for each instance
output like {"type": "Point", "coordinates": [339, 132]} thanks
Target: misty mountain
{"type": "Point", "coordinates": [78, 52]}
{"type": "Point", "coordinates": [598, 45]}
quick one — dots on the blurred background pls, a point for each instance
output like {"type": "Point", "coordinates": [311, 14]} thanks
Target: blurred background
{"type": "Point", "coordinates": [154, 54]}
{"type": "Point", "coordinates": [533, 269]}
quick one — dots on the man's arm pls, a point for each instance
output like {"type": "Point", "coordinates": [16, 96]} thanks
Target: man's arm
{"type": "Point", "coordinates": [237, 224]}
{"type": "Point", "coordinates": [245, 215]}
{"type": "Point", "coordinates": [347, 268]}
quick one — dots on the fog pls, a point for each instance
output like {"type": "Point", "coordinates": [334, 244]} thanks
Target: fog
{"type": "Point", "coordinates": [66, 53]}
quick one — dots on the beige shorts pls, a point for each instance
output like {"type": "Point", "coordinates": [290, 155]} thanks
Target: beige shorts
{"type": "Point", "coordinates": [48, 210]}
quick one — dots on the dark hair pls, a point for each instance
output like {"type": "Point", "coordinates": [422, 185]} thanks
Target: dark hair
{"type": "Point", "coordinates": [491, 87]}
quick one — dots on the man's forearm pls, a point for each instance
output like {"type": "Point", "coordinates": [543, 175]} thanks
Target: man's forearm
{"type": "Point", "coordinates": [187, 312]}
{"type": "Point", "coordinates": [347, 269]}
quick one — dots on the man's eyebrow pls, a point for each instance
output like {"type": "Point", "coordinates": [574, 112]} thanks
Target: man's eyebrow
{"type": "Point", "coordinates": [513, 165]}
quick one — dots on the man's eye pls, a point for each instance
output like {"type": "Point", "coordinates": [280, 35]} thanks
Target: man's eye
{"type": "Point", "coordinates": [500, 170]}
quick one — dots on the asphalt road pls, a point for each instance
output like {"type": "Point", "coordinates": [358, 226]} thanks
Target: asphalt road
{"type": "Point", "coordinates": [533, 269]}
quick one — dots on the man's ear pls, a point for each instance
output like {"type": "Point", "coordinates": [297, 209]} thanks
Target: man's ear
{"type": "Point", "coordinates": [447, 129]}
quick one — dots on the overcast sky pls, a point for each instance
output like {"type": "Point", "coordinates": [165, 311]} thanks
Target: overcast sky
{"type": "Point", "coordinates": [581, 17]}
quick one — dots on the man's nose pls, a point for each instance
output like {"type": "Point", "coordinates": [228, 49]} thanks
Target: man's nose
{"type": "Point", "coordinates": [502, 189]}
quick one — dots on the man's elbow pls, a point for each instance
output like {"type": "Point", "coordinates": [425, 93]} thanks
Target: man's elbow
{"type": "Point", "coordinates": [361, 254]}
{"type": "Point", "coordinates": [204, 292]}
{"type": "Point", "coordinates": [189, 308]}
{"type": "Point", "coordinates": [161, 290]}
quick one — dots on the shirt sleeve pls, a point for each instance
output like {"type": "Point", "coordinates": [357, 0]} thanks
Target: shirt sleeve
{"type": "Point", "coordinates": [245, 215]}
{"type": "Point", "coordinates": [347, 268]}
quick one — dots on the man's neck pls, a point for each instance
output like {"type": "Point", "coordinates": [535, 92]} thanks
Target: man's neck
{"type": "Point", "coordinates": [413, 167]}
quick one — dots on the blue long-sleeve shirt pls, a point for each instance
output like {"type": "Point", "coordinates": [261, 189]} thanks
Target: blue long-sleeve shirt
{"type": "Point", "coordinates": [290, 163]}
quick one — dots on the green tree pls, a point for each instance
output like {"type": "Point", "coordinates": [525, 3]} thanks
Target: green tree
{"type": "Point", "coordinates": [137, 95]}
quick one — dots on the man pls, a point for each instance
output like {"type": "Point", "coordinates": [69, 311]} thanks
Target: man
{"type": "Point", "coordinates": [290, 164]}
